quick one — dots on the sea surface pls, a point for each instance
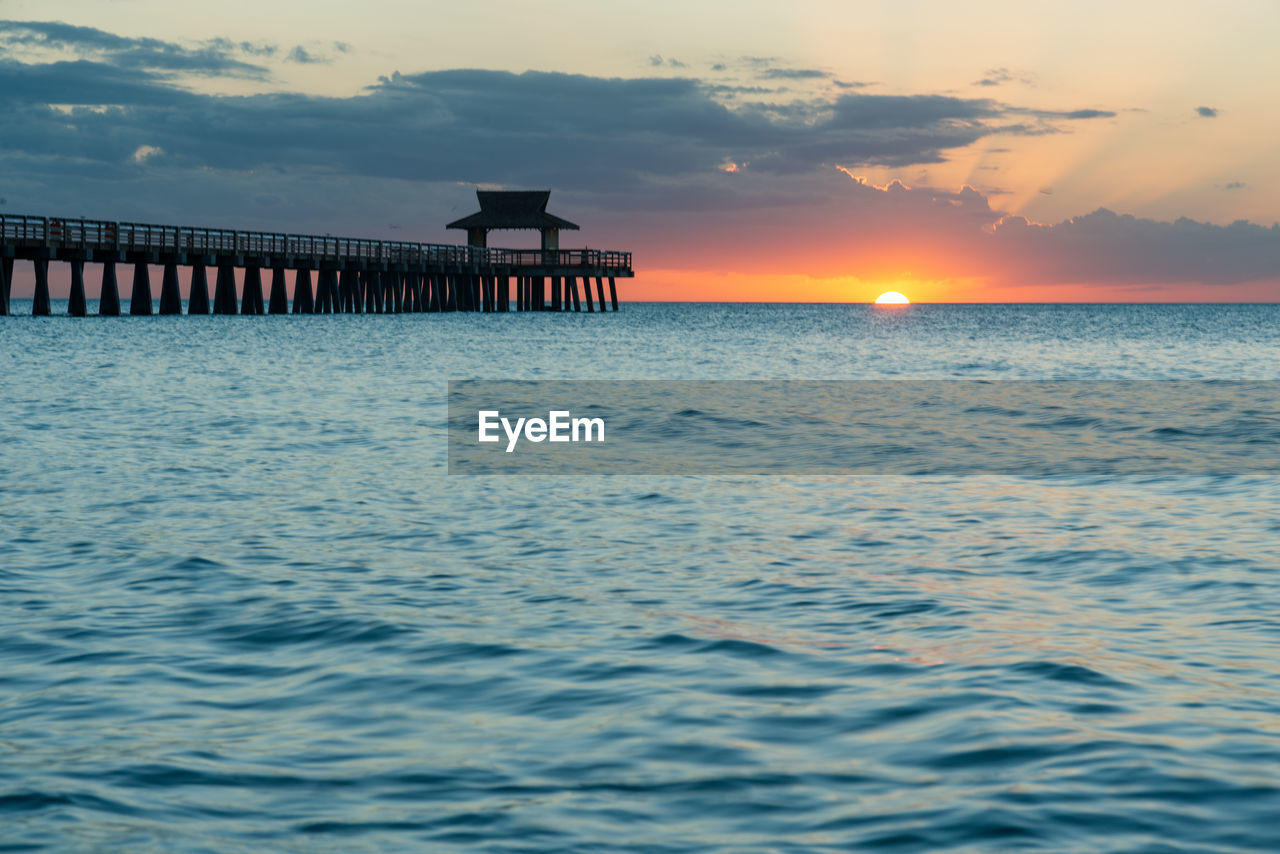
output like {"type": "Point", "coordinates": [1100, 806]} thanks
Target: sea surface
{"type": "Point", "coordinates": [244, 608]}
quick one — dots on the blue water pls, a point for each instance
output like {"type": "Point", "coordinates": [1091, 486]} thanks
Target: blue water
{"type": "Point", "coordinates": [243, 608]}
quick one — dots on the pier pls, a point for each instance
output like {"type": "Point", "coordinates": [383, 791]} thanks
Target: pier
{"type": "Point", "coordinates": [330, 274]}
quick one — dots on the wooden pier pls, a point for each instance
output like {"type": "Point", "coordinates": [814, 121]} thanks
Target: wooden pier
{"type": "Point", "coordinates": [331, 274]}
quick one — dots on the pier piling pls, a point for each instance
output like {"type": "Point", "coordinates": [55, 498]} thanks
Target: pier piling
{"type": "Point", "coordinates": [224, 290]}
{"type": "Point", "coordinates": [140, 299]}
{"type": "Point", "coordinates": [335, 296]}
{"type": "Point", "coordinates": [368, 291]}
{"type": "Point", "coordinates": [332, 300]}
{"type": "Point", "coordinates": [376, 285]}
{"type": "Point", "coordinates": [77, 305]}
{"type": "Point", "coordinates": [436, 286]}
{"type": "Point", "coordinates": [324, 304]}
{"type": "Point", "coordinates": [109, 296]}
{"type": "Point", "coordinates": [303, 299]}
{"type": "Point", "coordinates": [251, 301]}
{"type": "Point", "coordinates": [6, 277]}
{"type": "Point", "coordinates": [40, 306]}
{"type": "Point", "coordinates": [198, 299]}
{"type": "Point", "coordinates": [346, 291]}
{"type": "Point", "coordinates": [170, 295]}
{"type": "Point", "coordinates": [391, 295]}
{"type": "Point", "coordinates": [279, 293]}
{"type": "Point", "coordinates": [413, 290]}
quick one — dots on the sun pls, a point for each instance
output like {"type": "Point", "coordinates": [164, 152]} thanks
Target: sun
{"type": "Point", "coordinates": [892, 298]}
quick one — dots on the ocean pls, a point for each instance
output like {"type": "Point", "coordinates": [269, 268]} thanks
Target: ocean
{"type": "Point", "coordinates": [244, 607]}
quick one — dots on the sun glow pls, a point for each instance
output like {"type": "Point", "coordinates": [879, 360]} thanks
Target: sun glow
{"type": "Point", "coordinates": [892, 298]}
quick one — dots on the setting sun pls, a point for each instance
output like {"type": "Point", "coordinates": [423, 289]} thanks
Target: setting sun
{"type": "Point", "coordinates": [892, 298]}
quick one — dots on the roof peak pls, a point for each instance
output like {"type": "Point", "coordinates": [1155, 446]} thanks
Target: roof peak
{"type": "Point", "coordinates": [530, 200]}
{"type": "Point", "coordinates": [501, 209]}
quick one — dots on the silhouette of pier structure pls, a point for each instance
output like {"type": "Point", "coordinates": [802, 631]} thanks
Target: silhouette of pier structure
{"type": "Point", "coordinates": [331, 274]}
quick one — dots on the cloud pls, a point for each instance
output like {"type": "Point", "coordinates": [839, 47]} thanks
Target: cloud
{"type": "Point", "coordinates": [83, 82]}
{"type": "Point", "coordinates": [794, 74]}
{"type": "Point", "coordinates": [1108, 247]}
{"type": "Point", "coordinates": [474, 125]}
{"type": "Point", "coordinates": [1050, 115]}
{"type": "Point", "coordinates": [729, 91]}
{"type": "Point", "coordinates": [217, 57]}
{"type": "Point", "coordinates": [302, 56]}
{"type": "Point", "coordinates": [145, 153]}
{"type": "Point", "coordinates": [773, 68]}
{"type": "Point", "coordinates": [853, 228]}
{"type": "Point", "coordinates": [1207, 112]}
{"type": "Point", "coordinates": [1000, 76]}
{"type": "Point", "coordinates": [658, 61]}
{"type": "Point", "coordinates": [265, 49]}
{"type": "Point", "coordinates": [1082, 114]}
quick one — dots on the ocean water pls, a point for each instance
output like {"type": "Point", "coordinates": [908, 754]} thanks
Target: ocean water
{"type": "Point", "coordinates": [243, 607]}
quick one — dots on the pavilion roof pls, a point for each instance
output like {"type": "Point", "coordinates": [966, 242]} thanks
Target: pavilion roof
{"type": "Point", "coordinates": [513, 209]}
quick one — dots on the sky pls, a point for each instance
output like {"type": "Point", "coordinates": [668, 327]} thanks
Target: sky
{"type": "Point", "coordinates": [810, 151]}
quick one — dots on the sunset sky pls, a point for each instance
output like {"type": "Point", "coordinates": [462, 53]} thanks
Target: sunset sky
{"type": "Point", "coordinates": [812, 151]}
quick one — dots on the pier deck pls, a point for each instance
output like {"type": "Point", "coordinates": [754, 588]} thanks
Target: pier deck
{"type": "Point", "coordinates": [351, 274]}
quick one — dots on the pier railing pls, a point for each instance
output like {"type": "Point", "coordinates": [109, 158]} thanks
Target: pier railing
{"type": "Point", "coordinates": [67, 233]}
